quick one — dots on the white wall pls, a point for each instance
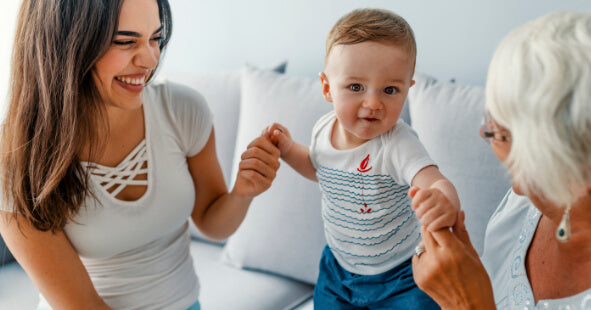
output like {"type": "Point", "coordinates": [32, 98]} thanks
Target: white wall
{"type": "Point", "coordinates": [456, 38]}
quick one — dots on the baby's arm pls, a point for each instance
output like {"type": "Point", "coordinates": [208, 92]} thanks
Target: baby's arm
{"type": "Point", "coordinates": [294, 154]}
{"type": "Point", "coordinates": [434, 199]}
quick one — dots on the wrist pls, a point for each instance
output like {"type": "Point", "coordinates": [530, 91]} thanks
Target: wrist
{"type": "Point", "coordinates": [240, 197]}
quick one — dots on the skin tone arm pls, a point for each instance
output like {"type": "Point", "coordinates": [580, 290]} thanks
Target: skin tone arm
{"type": "Point", "coordinates": [217, 212]}
{"type": "Point", "coordinates": [450, 270]}
{"type": "Point", "coordinates": [294, 154]}
{"type": "Point", "coordinates": [434, 199]}
{"type": "Point", "coordinates": [52, 263]}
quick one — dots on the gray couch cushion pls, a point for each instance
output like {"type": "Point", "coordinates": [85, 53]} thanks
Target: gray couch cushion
{"type": "Point", "coordinates": [222, 286]}
{"type": "Point", "coordinates": [447, 117]}
{"type": "Point", "coordinates": [16, 289]}
{"type": "Point", "coordinates": [226, 287]}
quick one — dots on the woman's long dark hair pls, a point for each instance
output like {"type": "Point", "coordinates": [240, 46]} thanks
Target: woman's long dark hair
{"type": "Point", "coordinates": [55, 107]}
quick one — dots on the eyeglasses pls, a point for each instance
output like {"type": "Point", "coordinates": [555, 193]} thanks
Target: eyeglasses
{"type": "Point", "coordinates": [488, 134]}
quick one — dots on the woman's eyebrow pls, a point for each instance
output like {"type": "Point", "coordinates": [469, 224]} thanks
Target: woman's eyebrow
{"type": "Point", "coordinates": [135, 34]}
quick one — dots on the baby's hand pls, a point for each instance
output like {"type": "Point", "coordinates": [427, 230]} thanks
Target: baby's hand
{"type": "Point", "coordinates": [279, 136]}
{"type": "Point", "coordinates": [432, 208]}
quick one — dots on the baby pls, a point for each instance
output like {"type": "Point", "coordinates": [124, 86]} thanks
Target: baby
{"type": "Point", "coordinates": [365, 159]}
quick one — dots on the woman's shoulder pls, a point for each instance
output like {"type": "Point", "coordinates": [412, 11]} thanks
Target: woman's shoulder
{"type": "Point", "coordinates": [173, 94]}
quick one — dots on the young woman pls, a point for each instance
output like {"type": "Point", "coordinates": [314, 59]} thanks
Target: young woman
{"type": "Point", "coordinates": [101, 170]}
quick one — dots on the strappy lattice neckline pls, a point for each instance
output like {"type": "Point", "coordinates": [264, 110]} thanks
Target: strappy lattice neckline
{"type": "Point", "coordinates": [124, 174]}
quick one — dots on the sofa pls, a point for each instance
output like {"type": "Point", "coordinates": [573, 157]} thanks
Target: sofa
{"type": "Point", "coordinates": [271, 262]}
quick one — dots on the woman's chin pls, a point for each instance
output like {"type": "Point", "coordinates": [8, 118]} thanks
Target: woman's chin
{"type": "Point", "coordinates": [517, 189]}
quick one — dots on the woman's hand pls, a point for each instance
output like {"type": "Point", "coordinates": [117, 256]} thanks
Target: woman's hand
{"type": "Point", "coordinates": [279, 136]}
{"type": "Point", "coordinates": [450, 270]}
{"type": "Point", "coordinates": [257, 168]}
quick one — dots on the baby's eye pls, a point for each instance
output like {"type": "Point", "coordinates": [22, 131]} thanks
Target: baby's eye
{"type": "Point", "coordinates": [390, 90]}
{"type": "Point", "coordinates": [355, 87]}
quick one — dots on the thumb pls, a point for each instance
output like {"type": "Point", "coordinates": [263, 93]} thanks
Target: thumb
{"type": "Point", "coordinates": [459, 229]}
{"type": "Point", "coordinates": [282, 141]}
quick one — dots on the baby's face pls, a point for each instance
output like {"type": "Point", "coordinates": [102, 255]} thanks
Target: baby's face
{"type": "Point", "coordinates": [368, 84]}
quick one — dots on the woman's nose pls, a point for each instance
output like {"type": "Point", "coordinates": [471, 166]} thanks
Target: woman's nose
{"type": "Point", "coordinates": [147, 57]}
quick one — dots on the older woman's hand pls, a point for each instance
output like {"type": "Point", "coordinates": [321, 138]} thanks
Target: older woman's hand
{"type": "Point", "coordinates": [450, 270]}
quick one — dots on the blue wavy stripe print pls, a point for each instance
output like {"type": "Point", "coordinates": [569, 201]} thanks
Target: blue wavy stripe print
{"type": "Point", "coordinates": [380, 253]}
{"type": "Point", "coordinates": [367, 184]}
{"type": "Point", "coordinates": [387, 235]}
{"type": "Point", "coordinates": [389, 257]}
{"type": "Point", "coordinates": [327, 219]}
{"type": "Point", "coordinates": [358, 178]}
{"type": "Point", "coordinates": [364, 219]}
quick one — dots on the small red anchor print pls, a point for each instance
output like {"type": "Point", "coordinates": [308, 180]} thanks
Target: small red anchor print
{"type": "Point", "coordinates": [363, 166]}
{"type": "Point", "coordinates": [365, 209]}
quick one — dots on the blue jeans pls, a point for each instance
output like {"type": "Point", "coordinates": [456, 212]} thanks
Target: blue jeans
{"type": "Point", "coordinates": [338, 289]}
{"type": "Point", "coordinates": [195, 306]}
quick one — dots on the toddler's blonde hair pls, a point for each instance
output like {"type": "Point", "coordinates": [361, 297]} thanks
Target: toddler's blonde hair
{"type": "Point", "coordinates": [378, 25]}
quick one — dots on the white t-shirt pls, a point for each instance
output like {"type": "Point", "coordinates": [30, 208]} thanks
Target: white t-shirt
{"type": "Point", "coordinates": [368, 222]}
{"type": "Point", "coordinates": [508, 236]}
{"type": "Point", "coordinates": [137, 252]}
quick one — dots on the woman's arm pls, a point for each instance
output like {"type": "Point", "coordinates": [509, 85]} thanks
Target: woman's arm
{"type": "Point", "coordinates": [450, 271]}
{"type": "Point", "coordinates": [52, 264]}
{"type": "Point", "coordinates": [216, 212]}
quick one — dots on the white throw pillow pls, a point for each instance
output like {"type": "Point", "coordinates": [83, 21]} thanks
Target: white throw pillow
{"type": "Point", "coordinates": [447, 117]}
{"type": "Point", "coordinates": [283, 231]}
{"type": "Point", "coordinates": [221, 90]}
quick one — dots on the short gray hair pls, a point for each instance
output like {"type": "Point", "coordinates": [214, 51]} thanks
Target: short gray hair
{"type": "Point", "coordinates": [539, 88]}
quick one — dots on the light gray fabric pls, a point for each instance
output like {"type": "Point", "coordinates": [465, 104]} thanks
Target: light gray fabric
{"type": "Point", "coordinates": [221, 91]}
{"type": "Point", "coordinates": [225, 287]}
{"type": "Point", "coordinates": [222, 286]}
{"type": "Point", "coordinates": [447, 117]}
{"type": "Point", "coordinates": [282, 232]}
{"type": "Point", "coordinates": [17, 291]}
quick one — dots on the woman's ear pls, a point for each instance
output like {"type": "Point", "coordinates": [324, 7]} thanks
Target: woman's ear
{"type": "Point", "coordinates": [325, 87]}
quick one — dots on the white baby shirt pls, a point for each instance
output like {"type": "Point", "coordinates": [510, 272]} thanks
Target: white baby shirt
{"type": "Point", "coordinates": [368, 222]}
{"type": "Point", "coordinates": [137, 252]}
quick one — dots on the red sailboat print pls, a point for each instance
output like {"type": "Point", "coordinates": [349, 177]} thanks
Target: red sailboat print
{"type": "Point", "coordinates": [363, 169]}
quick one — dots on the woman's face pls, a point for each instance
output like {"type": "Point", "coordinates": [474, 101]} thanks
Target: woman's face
{"type": "Point", "coordinates": [499, 147]}
{"type": "Point", "coordinates": [121, 73]}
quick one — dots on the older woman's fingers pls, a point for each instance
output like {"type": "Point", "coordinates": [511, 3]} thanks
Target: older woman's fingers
{"type": "Point", "coordinates": [459, 229]}
{"type": "Point", "coordinates": [428, 240]}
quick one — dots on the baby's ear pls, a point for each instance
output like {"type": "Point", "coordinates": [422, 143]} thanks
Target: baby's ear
{"type": "Point", "coordinates": [412, 82]}
{"type": "Point", "coordinates": [325, 87]}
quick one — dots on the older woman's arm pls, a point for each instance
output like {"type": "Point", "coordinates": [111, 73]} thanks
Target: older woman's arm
{"type": "Point", "coordinates": [450, 270]}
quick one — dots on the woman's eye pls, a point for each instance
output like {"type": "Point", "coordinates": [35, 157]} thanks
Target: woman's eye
{"type": "Point", "coordinates": [390, 90]}
{"type": "Point", "coordinates": [122, 42]}
{"type": "Point", "coordinates": [355, 87]}
{"type": "Point", "coordinates": [157, 39]}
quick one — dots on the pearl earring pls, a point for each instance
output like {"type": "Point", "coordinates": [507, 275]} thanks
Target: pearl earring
{"type": "Point", "coordinates": [563, 231]}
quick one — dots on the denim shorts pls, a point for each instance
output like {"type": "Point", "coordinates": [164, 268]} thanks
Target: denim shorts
{"type": "Point", "coordinates": [339, 289]}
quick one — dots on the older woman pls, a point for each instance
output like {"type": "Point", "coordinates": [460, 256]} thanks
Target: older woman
{"type": "Point", "coordinates": [537, 249]}
{"type": "Point", "coordinates": [101, 171]}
